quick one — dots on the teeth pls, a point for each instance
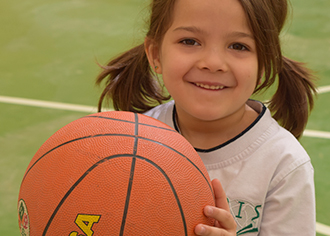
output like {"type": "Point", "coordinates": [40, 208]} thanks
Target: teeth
{"type": "Point", "coordinates": [212, 87]}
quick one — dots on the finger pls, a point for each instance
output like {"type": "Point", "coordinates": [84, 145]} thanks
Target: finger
{"type": "Point", "coordinates": [206, 230]}
{"type": "Point", "coordinates": [220, 195]}
{"type": "Point", "coordinates": [223, 217]}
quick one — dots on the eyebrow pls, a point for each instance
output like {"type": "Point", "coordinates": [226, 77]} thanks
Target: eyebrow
{"type": "Point", "coordinates": [194, 29]}
{"type": "Point", "coordinates": [242, 35]}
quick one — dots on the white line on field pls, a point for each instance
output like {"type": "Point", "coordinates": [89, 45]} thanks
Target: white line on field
{"type": "Point", "coordinates": [322, 229]}
{"type": "Point", "coordinates": [91, 109]}
{"type": "Point", "coordinates": [74, 107]}
{"type": "Point", "coordinates": [323, 89]}
{"type": "Point", "coordinates": [47, 104]}
{"type": "Point", "coordinates": [316, 134]}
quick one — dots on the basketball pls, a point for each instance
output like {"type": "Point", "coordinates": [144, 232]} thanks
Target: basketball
{"type": "Point", "coordinates": [114, 173]}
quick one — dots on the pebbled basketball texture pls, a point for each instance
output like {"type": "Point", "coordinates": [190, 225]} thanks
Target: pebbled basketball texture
{"type": "Point", "coordinates": [114, 173]}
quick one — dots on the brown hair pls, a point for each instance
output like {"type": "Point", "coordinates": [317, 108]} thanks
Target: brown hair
{"type": "Point", "coordinates": [130, 82]}
{"type": "Point", "coordinates": [293, 100]}
{"type": "Point", "coordinates": [132, 85]}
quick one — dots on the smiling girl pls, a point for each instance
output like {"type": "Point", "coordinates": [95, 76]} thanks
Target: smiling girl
{"type": "Point", "coordinates": [213, 55]}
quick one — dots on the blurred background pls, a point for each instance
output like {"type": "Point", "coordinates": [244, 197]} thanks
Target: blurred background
{"type": "Point", "coordinates": [49, 52]}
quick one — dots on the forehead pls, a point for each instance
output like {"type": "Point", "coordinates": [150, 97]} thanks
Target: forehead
{"type": "Point", "coordinates": [210, 15]}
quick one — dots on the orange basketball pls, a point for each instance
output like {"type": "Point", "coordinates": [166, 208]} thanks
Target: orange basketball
{"type": "Point", "coordinates": [114, 173]}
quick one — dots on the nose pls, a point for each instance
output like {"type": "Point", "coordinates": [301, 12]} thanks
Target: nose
{"type": "Point", "coordinates": [213, 60]}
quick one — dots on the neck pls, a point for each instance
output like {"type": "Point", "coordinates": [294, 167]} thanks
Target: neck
{"type": "Point", "coordinates": [208, 134]}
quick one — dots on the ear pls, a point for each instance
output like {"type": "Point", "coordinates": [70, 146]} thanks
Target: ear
{"type": "Point", "coordinates": [152, 51]}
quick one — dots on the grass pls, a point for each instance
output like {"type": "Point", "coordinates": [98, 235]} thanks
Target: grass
{"type": "Point", "coordinates": [49, 51]}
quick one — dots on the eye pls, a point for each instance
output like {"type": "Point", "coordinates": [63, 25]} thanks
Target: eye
{"type": "Point", "coordinates": [238, 47]}
{"type": "Point", "coordinates": [189, 42]}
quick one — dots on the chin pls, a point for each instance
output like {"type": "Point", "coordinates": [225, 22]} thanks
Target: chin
{"type": "Point", "coordinates": [208, 116]}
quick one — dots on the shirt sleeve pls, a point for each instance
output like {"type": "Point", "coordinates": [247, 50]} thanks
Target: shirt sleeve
{"type": "Point", "coordinates": [290, 203]}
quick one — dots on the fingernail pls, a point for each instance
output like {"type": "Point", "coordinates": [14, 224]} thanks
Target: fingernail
{"type": "Point", "coordinates": [201, 230]}
{"type": "Point", "coordinates": [208, 210]}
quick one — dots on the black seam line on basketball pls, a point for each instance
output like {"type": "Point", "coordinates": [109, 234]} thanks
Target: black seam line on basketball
{"type": "Point", "coordinates": [173, 190]}
{"type": "Point", "coordinates": [107, 159]}
{"type": "Point", "coordinates": [131, 122]}
{"type": "Point", "coordinates": [128, 196]}
{"type": "Point", "coordinates": [71, 141]}
{"type": "Point", "coordinates": [136, 133]}
{"type": "Point", "coordinates": [164, 145]}
{"type": "Point", "coordinates": [122, 135]}
{"type": "Point", "coordinates": [130, 183]}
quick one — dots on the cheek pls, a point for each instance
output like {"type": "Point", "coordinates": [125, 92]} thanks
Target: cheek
{"type": "Point", "coordinates": [174, 67]}
{"type": "Point", "coordinates": [248, 77]}
{"type": "Point", "coordinates": [173, 60]}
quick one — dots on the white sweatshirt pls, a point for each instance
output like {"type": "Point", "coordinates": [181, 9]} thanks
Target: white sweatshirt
{"type": "Point", "coordinates": [266, 174]}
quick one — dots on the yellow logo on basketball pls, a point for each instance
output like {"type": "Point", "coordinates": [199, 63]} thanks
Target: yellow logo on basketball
{"type": "Point", "coordinates": [85, 223]}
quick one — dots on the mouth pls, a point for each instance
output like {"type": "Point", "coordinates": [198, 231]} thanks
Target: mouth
{"type": "Point", "coordinates": [210, 87]}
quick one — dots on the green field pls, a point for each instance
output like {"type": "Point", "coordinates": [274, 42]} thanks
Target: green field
{"type": "Point", "coordinates": [48, 52]}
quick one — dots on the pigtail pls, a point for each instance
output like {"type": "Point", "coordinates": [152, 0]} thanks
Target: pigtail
{"type": "Point", "coordinates": [130, 82]}
{"type": "Point", "coordinates": [293, 100]}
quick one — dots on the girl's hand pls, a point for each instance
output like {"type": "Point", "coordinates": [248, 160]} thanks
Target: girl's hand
{"type": "Point", "coordinates": [225, 224]}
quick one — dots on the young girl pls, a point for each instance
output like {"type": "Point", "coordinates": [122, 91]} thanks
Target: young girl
{"type": "Point", "coordinates": [212, 56]}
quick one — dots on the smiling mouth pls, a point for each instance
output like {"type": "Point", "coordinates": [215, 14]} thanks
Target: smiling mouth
{"type": "Point", "coordinates": [211, 87]}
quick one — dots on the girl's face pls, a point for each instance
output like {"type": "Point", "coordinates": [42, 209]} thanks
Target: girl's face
{"type": "Point", "coordinates": [208, 59]}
